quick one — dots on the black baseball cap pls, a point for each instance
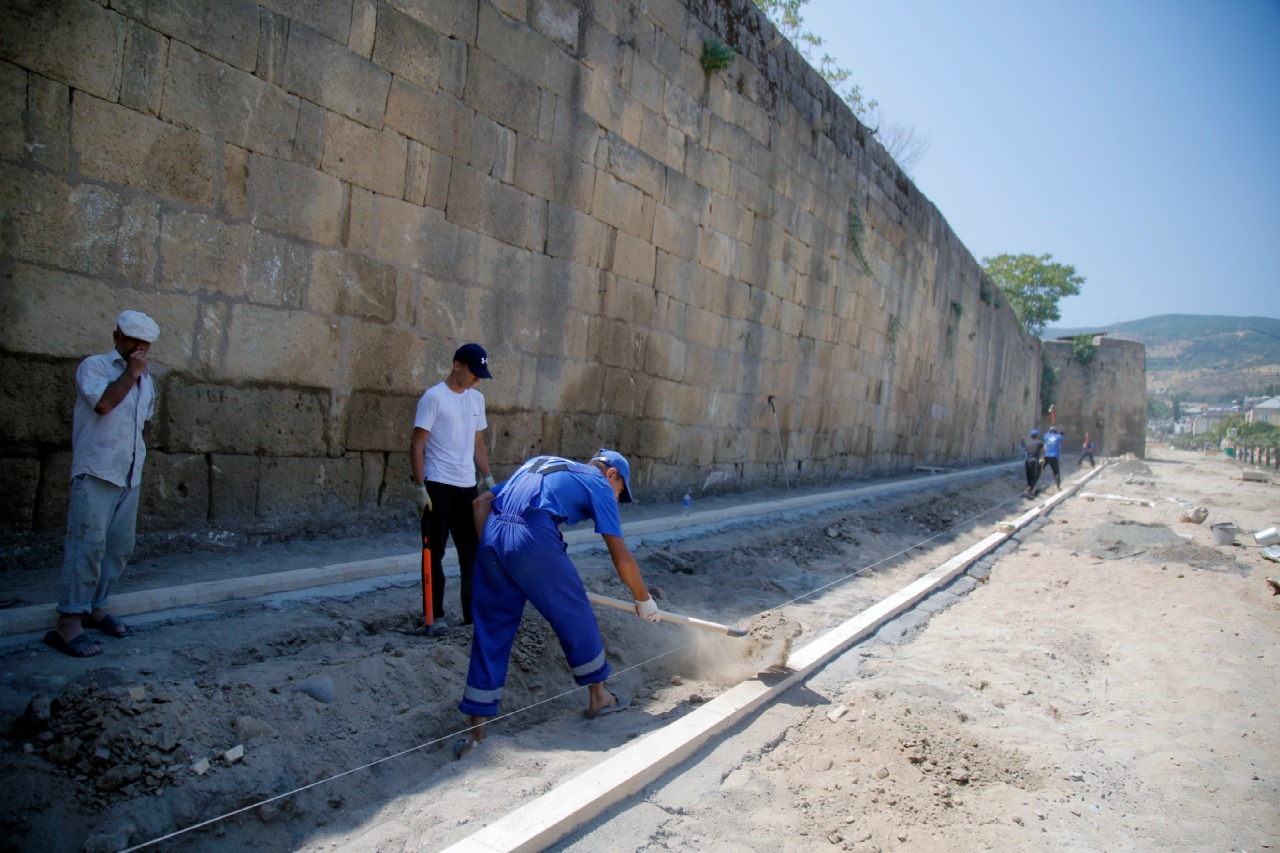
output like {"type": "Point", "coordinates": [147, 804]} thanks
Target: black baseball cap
{"type": "Point", "coordinates": [474, 357]}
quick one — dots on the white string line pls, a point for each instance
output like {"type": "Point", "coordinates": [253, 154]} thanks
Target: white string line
{"type": "Point", "coordinates": [531, 706]}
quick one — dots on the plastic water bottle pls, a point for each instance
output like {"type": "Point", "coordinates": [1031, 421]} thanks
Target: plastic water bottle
{"type": "Point", "coordinates": [684, 503]}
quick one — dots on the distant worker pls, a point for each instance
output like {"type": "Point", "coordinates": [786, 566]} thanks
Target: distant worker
{"type": "Point", "coordinates": [446, 449]}
{"type": "Point", "coordinates": [523, 558]}
{"type": "Point", "coordinates": [110, 431]}
{"type": "Point", "coordinates": [1086, 451]}
{"type": "Point", "coordinates": [1035, 451]}
{"type": "Point", "coordinates": [1053, 455]}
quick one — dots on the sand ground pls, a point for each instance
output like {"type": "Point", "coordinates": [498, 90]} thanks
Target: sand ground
{"type": "Point", "coordinates": [1106, 680]}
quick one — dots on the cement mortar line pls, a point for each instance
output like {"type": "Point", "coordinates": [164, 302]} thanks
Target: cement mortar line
{"type": "Point", "coordinates": [549, 818]}
{"type": "Point", "coordinates": [406, 567]}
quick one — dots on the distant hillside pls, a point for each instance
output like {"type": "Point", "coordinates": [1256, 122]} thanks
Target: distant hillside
{"type": "Point", "coordinates": [1202, 355]}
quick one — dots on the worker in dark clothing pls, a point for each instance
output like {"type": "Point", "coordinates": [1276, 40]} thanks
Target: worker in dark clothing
{"type": "Point", "coordinates": [1035, 454]}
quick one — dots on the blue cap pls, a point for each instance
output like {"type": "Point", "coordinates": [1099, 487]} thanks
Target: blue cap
{"type": "Point", "coordinates": [1035, 433]}
{"type": "Point", "coordinates": [474, 357]}
{"type": "Point", "coordinates": [614, 459]}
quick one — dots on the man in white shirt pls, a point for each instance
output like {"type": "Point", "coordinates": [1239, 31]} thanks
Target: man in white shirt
{"type": "Point", "coordinates": [445, 451]}
{"type": "Point", "coordinates": [111, 428]}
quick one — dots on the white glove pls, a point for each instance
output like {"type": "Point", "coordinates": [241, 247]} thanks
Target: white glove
{"type": "Point", "coordinates": [648, 610]}
{"type": "Point", "coordinates": [423, 499]}
{"type": "Point", "coordinates": [487, 482]}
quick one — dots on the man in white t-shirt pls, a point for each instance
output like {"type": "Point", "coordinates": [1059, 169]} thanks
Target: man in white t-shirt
{"type": "Point", "coordinates": [446, 450]}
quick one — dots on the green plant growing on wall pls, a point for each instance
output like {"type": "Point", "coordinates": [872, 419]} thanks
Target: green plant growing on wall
{"type": "Point", "coordinates": [957, 308]}
{"type": "Point", "coordinates": [716, 55]}
{"type": "Point", "coordinates": [984, 290]}
{"type": "Point", "coordinates": [1048, 383]}
{"type": "Point", "coordinates": [891, 334]}
{"type": "Point", "coordinates": [857, 233]}
{"type": "Point", "coordinates": [1083, 348]}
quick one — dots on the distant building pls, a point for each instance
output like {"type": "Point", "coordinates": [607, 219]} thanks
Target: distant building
{"type": "Point", "coordinates": [1267, 412]}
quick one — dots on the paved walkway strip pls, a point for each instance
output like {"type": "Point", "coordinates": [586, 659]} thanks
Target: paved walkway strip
{"type": "Point", "coordinates": [543, 821]}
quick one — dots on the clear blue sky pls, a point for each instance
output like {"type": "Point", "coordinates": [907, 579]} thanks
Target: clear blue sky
{"type": "Point", "coordinates": [1138, 140]}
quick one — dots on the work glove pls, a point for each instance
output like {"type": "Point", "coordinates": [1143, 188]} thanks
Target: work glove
{"type": "Point", "coordinates": [423, 499]}
{"type": "Point", "coordinates": [648, 610]}
{"type": "Point", "coordinates": [487, 482]}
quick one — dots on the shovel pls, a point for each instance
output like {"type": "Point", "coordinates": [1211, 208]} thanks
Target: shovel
{"type": "Point", "coordinates": [667, 616]}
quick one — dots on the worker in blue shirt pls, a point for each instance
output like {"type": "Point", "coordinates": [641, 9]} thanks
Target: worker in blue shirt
{"type": "Point", "coordinates": [1053, 454]}
{"type": "Point", "coordinates": [523, 558]}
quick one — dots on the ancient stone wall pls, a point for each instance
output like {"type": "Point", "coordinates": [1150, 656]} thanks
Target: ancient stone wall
{"type": "Point", "coordinates": [1104, 395]}
{"type": "Point", "coordinates": [319, 200]}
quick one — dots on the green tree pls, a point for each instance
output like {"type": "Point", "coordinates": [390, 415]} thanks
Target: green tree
{"type": "Point", "coordinates": [1034, 285]}
{"type": "Point", "coordinates": [786, 16]}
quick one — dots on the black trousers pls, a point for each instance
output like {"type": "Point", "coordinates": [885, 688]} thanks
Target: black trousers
{"type": "Point", "coordinates": [450, 514]}
{"type": "Point", "coordinates": [1033, 472]}
{"type": "Point", "coordinates": [1052, 462]}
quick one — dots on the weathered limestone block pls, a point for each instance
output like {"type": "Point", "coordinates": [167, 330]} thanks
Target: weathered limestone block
{"type": "Point", "coordinates": [227, 30]}
{"type": "Point", "coordinates": [13, 102]}
{"type": "Point", "coordinates": [117, 145]}
{"type": "Point", "coordinates": [377, 357]}
{"type": "Point", "coordinates": [548, 63]}
{"type": "Point", "coordinates": [441, 121]}
{"type": "Point", "coordinates": [48, 123]}
{"type": "Point", "coordinates": [373, 159]}
{"type": "Point", "coordinates": [135, 255]}
{"type": "Point", "coordinates": [273, 44]}
{"type": "Point", "coordinates": [175, 492]}
{"type": "Point", "coordinates": [634, 258]}
{"type": "Point", "coordinates": [327, 73]}
{"type": "Point", "coordinates": [665, 356]}
{"type": "Point", "coordinates": [495, 91]}
{"type": "Point", "coordinates": [63, 225]}
{"type": "Point", "coordinates": [352, 285]}
{"type": "Point", "coordinates": [316, 489]}
{"type": "Point", "coordinates": [377, 421]}
{"type": "Point", "coordinates": [609, 105]}
{"type": "Point", "coordinates": [618, 204]}
{"type": "Point", "coordinates": [36, 401]}
{"type": "Point", "coordinates": [674, 233]}
{"type": "Point", "coordinates": [373, 474]}
{"type": "Point", "coordinates": [308, 140]}
{"type": "Point", "coordinates": [52, 313]}
{"type": "Point", "coordinates": [233, 490]}
{"type": "Point", "coordinates": [288, 347]}
{"type": "Point", "coordinates": [19, 479]}
{"type": "Point", "coordinates": [407, 48]}
{"type": "Point", "coordinates": [202, 253]}
{"type": "Point", "coordinates": [511, 439]}
{"type": "Point", "coordinates": [206, 418]}
{"type": "Point", "coordinates": [296, 200]}
{"type": "Point", "coordinates": [76, 42]}
{"type": "Point", "coordinates": [553, 173]}
{"type": "Point", "coordinates": [577, 237]}
{"type": "Point", "coordinates": [204, 94]}
{"type": "Point", "coordinates": [480, 203]}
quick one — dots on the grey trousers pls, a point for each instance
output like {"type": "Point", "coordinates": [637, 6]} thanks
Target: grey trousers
{"type": "Point", "coordinates": [102, 523]}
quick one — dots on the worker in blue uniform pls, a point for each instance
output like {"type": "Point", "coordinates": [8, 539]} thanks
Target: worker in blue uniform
{"type": "Point", "coordinates": [523, 557]}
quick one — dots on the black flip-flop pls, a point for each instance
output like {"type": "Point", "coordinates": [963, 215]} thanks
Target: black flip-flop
{"type": "Point", "coordinates": [79, 646]}
{"type": "Point", "coordinates": [109, 625]}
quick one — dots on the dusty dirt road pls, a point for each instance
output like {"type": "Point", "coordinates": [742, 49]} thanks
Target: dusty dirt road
{"type": "Point", "coordinates": [1111, 685]}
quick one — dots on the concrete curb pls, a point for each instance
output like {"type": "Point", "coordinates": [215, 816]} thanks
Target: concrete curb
{"type": "Point", "coordinates": [545, 820]}
{"type": "Point", "coordinates": [37, 617]}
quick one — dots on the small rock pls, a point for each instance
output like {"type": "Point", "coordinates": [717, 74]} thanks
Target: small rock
{"type": "Point", "coordinates": [318, 687]}
{"type": "Point", "coordinates": [248, 728]}
{"type": "Point", "coordinates": [882, 772]}
{"type": "Point", "coordinates": [837, 712]}
{"type": "Point", "coordinates": [696, 699]}
{"type": "Point", "coordinates": [137, 694]}
{"type": "Point", "coordinates": [201, 767]}
{"type": "Point", "coordinates": [234, 754]}
{"type": "Point", "coordinates": [119, 776]}
{"type": "Point", "coordinates": [676, 681]}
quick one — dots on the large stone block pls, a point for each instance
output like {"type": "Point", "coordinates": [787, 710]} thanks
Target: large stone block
{"type": "Point", "coordinates": [204, 94]}
{"type": "Point", "coordinates": [377, 357]}
{"type": "Point", "coordinates": [289, 347]}
{"type": "Point", "coordinates": [227, 29]}
{"type": "Point", "coordinates": [54, 495]}
{"type": "Point", "coordinates": [13, 102]}
{"type": "Point", "coordinates": [316, 490]}
{"type": "Point", "coordinates": [352, 285]}
{"type": "Point", "coordinates": [439, 120]}
{"type": "Point", "coordinates": [76, 42]}
{"type": "Point", "coordinates": [48, 123]}
{"type": "Point", "coordinates": [634, 258]}
{"type": "Point", "coordinates": [407, 48]}
{"type": "Point", "coordinates": [480, 203]}
{"type": "Point", "coordinates": [175, 492]}
{"type": "Point", "coordinates": [117, 145]}
{"type": "Point", "coordinates": [577, 237]}
{"type": "Point", "coordinates": [553, 173]}
{"type": "Point", "coordinates": [66, 316]}
{"type": "Point", "coordinates": [233, 490]}
{"type": "Point", "coordinates": [296, 200]}
{"type": "Point", "coordinates": [36, 402]}
{"type": "Point", "coordinates": [136, 243]}
{"type": "Point", "coordinates": [528, 52]}
{"type": "Point", "coordinates": [19, 478]}
{"type": "Point", "coordinates": [207, 418]}
{"type": "Point", "coordinates": [47, 221]}
{"type": "Point", "coordinates": [373, 159]}
{"type": "Point", "coordinates": [378, 421]}
{"type": "Point", "coordinates": [327, 73]}
{"type": "Point", "coordinates": [497, 92]}
{"type": "Point", "coordinates": [618, 204]}
{"type": "Point", "coordinates": [331, 18]}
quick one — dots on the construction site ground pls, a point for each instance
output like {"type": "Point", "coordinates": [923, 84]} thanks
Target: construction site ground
{"type": "Point", "coordinates": [1105, 679]}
